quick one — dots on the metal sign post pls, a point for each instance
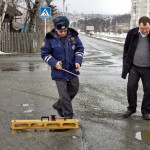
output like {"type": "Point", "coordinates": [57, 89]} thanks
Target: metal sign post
{"type": "Point", "coordinates": [45, 26]}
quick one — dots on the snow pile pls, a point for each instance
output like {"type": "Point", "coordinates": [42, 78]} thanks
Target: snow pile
{"type": "Point", "coordinates": [123, 35]}
{"type": "Point", "coordinates": [2, 53]}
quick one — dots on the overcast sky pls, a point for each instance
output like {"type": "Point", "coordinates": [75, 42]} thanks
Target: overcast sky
{"type": "Point", "coordinates": [96, 6]}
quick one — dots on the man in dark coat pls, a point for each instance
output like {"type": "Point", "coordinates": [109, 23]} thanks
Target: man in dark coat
{"type": "Point", "coordinates": [62, 49]}
{"type": "Point", "coordinates": [136, 62]}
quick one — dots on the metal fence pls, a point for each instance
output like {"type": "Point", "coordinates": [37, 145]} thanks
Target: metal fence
{"type": "Point", "coordinates": [13, 42]}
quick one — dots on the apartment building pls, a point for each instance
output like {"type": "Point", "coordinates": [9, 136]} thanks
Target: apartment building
{"type": "Point", "coordinates": [139, 8]}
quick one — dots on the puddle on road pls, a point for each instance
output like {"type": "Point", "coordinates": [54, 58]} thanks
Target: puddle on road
{"type": "Point", "coordinates": [143, 136]}
{"type": "Point", "coordinates": [103, 61]}
{"type": "Point", "coordinates": [23, 66]}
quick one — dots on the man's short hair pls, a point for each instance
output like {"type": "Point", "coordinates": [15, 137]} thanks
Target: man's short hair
{"type": "Point", "coordinates": [144, 20]}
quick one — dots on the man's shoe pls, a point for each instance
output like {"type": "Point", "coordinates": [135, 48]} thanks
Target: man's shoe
{"type": "Point", "coordinates": [146, 116]}
{"type": "Point", "coordinates": [69, 116]}
{"type": "Point", "coordinates": [127, 114]}
{"type": "Point", "coordinates": [59, 111]}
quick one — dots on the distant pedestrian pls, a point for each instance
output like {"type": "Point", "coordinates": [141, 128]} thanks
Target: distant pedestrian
{"type": "Point", "coordinates": [136, 62]}
{"type": "Point", "coordinates": [62, 49]}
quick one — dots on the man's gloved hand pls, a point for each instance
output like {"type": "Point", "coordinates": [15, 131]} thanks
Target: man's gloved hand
{"type": "Point", "coordinates": [58, 65]}
{"type": "Point", "coordinates": [77, 66]}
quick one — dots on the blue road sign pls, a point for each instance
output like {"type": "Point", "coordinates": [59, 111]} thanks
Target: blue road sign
{"type": "Point", "coordinates": [45, 12]}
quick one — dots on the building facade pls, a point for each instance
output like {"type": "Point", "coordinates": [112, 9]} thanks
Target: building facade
{"type": "Point", "coordinates": [139, 8]}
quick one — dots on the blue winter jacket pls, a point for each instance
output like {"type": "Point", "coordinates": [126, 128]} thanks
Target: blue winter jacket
{"type": "Point", "coordinates": [69, 51]}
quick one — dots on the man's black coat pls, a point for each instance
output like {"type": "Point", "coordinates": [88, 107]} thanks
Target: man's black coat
{"type": "Point", "coordinates": [129, 50]}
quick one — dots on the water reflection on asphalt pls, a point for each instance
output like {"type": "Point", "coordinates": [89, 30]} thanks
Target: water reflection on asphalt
{"type": "Point", "coordinates": [25, 64]}
{"type": "Point", "coordinates": [143, 136]}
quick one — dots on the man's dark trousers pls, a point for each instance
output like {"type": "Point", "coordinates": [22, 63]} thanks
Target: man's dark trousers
{"type": "Point", "coordinates": [133, 79]}
{"type": "Point", "coordinates": [67, 91]}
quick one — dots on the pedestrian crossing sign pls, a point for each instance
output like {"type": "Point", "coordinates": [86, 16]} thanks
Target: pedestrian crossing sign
{"type": "Point", "coordinates": [45, 12]}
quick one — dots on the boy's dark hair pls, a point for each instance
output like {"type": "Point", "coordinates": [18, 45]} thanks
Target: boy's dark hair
{"type": "Point", "coordinates": [144, 20]}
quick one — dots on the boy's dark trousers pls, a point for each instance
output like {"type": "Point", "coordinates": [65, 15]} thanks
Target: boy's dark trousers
{"type": "Point", "coordinates": [67, 91]}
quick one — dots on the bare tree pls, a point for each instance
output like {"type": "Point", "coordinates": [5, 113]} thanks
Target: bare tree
{"type": "Point", "coordinates": [32, 10]}
{"type": "Point", "coordinates": [48, 2]}
{"type": "Point", "coordinates": [33, 7]}
{"type": "Point", "coordinates": [14, 2]}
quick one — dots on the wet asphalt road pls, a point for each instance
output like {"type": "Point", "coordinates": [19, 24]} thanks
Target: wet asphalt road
{"type": "Point", "coordinates": [27, 92]}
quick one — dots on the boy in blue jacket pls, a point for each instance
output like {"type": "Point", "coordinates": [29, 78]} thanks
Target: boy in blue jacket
{"type": "Point", "coordinates": [62, 49]}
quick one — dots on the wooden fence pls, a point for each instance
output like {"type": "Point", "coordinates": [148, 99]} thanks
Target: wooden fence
{"type": "Point", "coordinates": [13, 42]}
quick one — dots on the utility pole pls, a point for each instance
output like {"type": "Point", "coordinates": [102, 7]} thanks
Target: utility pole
{"type": "Point", "coordinates": [148, 3]}
{"type": "Point", "coordinates": [67, 14]}
{"type": "Point", "coordinates": [63, 7]}
{"type": "Point", "coordinates": [115, 27]}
